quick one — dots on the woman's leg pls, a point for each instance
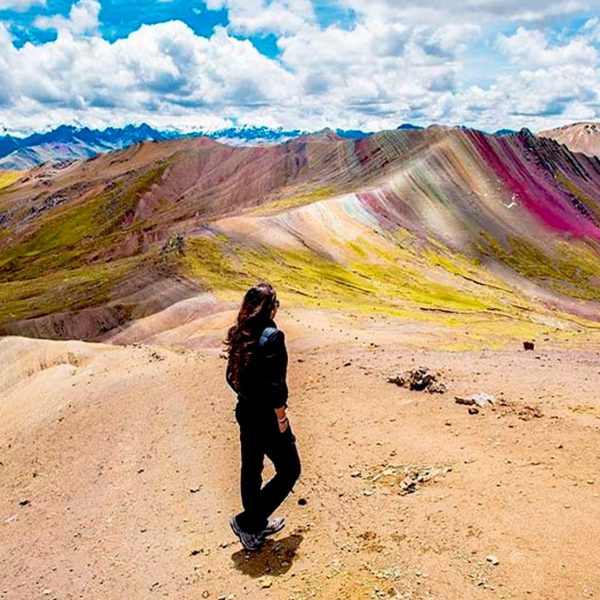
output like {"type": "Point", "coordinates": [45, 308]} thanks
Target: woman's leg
{"type": "Point", "coordinates": [281, 450]}
{"type": "Point", "coordinates": [251, 519]}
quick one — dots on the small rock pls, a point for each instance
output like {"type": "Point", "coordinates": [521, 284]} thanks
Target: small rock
{"type": "Point", "coordinates": [481, 399]}
{"type": "Point", "coordinates": [528, 412]}
{"type": "Point", "coordinates": [408, 484]}
{"type": "Point", "coordinates": [302, 501]}
{"type": "Point", "coordinates": [355, 473]}
{"type": "Point", "coordinates": [465, 401]}
{"type": "Point", "coordinates": [437, 388]}
{"type": "Point", "coordinates": [387, 471]}
{"type": "Point", "coordinates": [528, 345]}
{"type": "Point", "coordinates": [492, 559]}
{"type": "Point", "coordinates": [265, 582]}
{"type": "Point", "coordinates": [419, 379]}
{"type": "Point", "coordinates": [473, 410]}
{"type": "Point", "coordinates": [24, 502]}
{"type": "Point", "coordinates": [194, 490]}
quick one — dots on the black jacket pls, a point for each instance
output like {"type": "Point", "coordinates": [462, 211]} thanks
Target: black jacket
{"type": "Point", "coordinates": [262, 381]}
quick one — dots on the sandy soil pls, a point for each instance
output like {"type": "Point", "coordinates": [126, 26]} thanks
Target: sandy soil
{"type": "Point", "coordinates": [119, 470]}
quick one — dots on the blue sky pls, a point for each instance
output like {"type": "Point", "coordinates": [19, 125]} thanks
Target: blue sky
{"type": "Point", "coordinates": [117, 19]}
{"type": "Point", "coordinates": [298, 63]}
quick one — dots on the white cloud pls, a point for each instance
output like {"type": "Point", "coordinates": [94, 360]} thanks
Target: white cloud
{"type": "Point", "coordinates": [6, 51]}
{"type": "Point", "coordinates": [163, 68]}
{"type": "Point", "coordinates": [394, 62]}
{"type": "Point", "coordinates": [555, 81]}
{"type": "Point", "coordinates": [544, 91]}
{"type": "Point", "coordinates": [20, 5]}
{"type": "Point", "coordinates": [435, 12]}
{"type": "Point", "coordinates": [531, 47]}
{"type": "Point", "coordinates": [591, 29]}
{"type": "Point", "coordinates": [377, 72]}
{"type": "Point", "coordinates": [83, 18]}
{"type": "Point", "coordinates": [250, 17]}
{"type": "Point", "coordinates": [539, 98]}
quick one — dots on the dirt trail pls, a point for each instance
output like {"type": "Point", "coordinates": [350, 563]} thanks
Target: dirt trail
{"type": "Point", "coordinates": [126, 462]}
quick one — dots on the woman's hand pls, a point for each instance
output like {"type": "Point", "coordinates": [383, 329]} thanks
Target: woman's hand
{"type": "Point", "coordinates": [282, 419]}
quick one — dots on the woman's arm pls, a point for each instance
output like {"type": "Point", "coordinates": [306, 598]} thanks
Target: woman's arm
{"type": "Point", "coordinates": [276, 359]}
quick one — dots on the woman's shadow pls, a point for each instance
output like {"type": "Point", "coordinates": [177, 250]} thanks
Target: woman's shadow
{"type": "Point", "coordinates": [274, 557]}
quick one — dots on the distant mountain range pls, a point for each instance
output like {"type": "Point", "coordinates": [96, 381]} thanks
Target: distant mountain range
{"type": "Point", "coordinates": [67, 142]}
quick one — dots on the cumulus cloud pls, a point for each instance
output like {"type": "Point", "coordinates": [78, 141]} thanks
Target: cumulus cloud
{"type": "Point", "coordinates": [393, 61]}
{"type": "Point", "coordinates": [83, 18]}
{"type": "Point", "coordinates": [20, 5]}
{"type": "Point", "coordinates": [163, 68]}
{"type": "Point", "coordinates": [376, 73]}
{"type": "Point", "coordinates": [533, 48]}
{"type": "Point", "coordinates": [555, 81]}
{"type": "Point", "coordinates": [556, 78]}
{"type": "Point", "coordinates": [536, 93]}
{"type": "Point", "coordinates": [250, 17]}
{"type": "Point", "coordinates": [6, 85]}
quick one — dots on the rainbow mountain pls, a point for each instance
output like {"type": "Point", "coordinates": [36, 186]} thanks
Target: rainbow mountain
{"type": "Point", "coordinates": [446, 224]}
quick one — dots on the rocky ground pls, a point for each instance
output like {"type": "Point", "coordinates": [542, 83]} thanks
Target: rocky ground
{"type": "Point", "coordinates": [119, 469]}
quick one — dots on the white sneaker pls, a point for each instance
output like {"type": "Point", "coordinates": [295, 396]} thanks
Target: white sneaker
{"type": "Point", "coordinates": [250, 541]}
{"type": "Point", "coordinates": [273, 526]}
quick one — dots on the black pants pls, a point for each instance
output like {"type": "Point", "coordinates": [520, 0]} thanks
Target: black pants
{"type": "Point", "coordinates": [260, 436]}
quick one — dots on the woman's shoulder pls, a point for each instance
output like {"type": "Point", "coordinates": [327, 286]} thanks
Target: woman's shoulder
{"type": "Point", "coordinates": [271, 335]}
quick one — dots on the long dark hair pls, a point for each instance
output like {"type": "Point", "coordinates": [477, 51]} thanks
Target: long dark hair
{"type": "Point", "coordinates": [242, 337]}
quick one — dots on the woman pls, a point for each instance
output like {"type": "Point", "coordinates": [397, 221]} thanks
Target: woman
{"type": "Point", "coordinates": [256, 371]}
